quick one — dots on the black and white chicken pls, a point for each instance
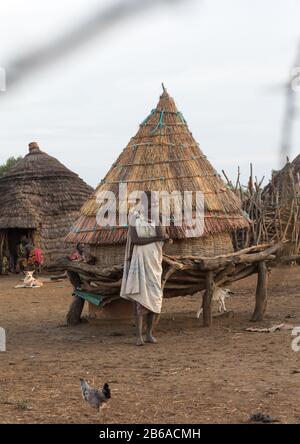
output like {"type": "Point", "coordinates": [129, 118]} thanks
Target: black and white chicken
{"type": "Point", "coordinates": [96, 398]}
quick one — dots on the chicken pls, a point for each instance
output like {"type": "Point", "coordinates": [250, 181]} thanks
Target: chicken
{"type": "Point", "coordinates": [96, 398]}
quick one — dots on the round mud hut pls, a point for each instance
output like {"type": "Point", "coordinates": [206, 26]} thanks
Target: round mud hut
{"type": "Point", "coordinates": [162, 156]}
{"type": "Point", "coordinates": [40, 198]}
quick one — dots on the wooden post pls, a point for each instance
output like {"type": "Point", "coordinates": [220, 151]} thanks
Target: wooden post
{"type": "Point", "coordinates": [75, 310]}
{"type": "Point", "coordinates": [261, 292]}
{"type": "Point", "coordinates": [207, 297]}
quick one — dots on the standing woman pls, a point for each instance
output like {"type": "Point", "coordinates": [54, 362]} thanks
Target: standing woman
{"type": "Point", "coordinates": [143, 269]}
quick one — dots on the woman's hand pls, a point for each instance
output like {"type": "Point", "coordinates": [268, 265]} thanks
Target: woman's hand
{"type": "Point", "coordinates": [161, 236]}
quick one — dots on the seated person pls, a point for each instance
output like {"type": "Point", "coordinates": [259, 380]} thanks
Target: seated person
{"type": "Point", "coordinates": [82, 253]}
{"type": "Point", "coordinates": [78, 254]}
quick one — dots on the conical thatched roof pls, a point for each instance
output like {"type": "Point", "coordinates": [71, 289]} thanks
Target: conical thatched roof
{"type": "Point", "coordinates": [163, 155]}
{"type": "Point", "coordinates": [284, 184]}
{"type": "Point", "coordinates": [39, 186]}
{"type": "Point", "coordinates": [278, 217]}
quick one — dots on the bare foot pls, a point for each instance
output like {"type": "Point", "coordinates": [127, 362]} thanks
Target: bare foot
{"type": "Point", "coordinates": [151, 340]}
{"type": "Point", "coordinates": [139, 342]}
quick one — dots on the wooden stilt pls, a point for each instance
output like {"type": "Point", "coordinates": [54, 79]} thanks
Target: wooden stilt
{"type": "Point", "coordinates": [261, 292]}
{"type": "Point", "coordinates": [75, 310]}
{"type": "Point", "coordinates": [207, 298]}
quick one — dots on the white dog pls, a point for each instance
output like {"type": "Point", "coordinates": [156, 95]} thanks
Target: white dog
{"type": "Point", "coordinates": [219, 295]}
{"type": "Point", "coordinates": [30, 281]}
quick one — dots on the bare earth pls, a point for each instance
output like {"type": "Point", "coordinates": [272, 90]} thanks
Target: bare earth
{"type": "Point", "coordinates": [194, 374]}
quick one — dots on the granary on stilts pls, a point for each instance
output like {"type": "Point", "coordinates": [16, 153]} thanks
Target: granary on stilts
{"type": "Point", "coordinates": [162, 156]}
{"type": "Point", "coordinates": [40, 198]}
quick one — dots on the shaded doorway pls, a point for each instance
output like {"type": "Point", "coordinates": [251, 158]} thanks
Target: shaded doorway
{"type": "Point", "coordinates": [14, 237]}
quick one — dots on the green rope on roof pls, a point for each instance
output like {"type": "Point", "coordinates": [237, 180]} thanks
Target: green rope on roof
{"type": "Point", "coordinates": [160, 122]}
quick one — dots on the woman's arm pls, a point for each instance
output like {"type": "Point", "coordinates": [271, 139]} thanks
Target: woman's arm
{"type": "Point", "coordinates": [136, 240]}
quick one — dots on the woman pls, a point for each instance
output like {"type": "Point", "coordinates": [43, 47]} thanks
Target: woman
{"type": "Point", "coordinates": [36, 259]}
{"type": "Point", "coordinates": [143, 270]}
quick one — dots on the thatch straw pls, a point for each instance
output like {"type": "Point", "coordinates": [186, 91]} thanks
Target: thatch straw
{"type": "Point", "coordinates": [274, 209]}
{"type": "Point", "coordinates": [281, 198]}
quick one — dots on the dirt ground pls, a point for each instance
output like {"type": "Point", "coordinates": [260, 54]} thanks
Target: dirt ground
{"type": "Point", "coordinates": [193, 375]}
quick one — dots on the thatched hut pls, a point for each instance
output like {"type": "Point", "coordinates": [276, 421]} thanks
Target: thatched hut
{"type": "Point", "coordinates": [276, 207]}
{"type": "Point", "coordinates": [163, 155]}
{"type": "Point", "coordinates": [40, 198]}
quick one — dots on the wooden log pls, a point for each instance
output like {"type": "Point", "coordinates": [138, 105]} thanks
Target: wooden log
{"type": "Point", "coordinates": [216, 263]}
{"type": "Point", "coordinates": [96, 283]}
{"type": "Point", "coordinates": [222, 276]}
{"type": "Point", "coordinates": [207, 299]}
{"type": "Point", "coordinates": [261, 292]}
{"type": "Point", "coordinates": [242, 274]}
{"type": "Point", "coordinates": [254, 248]}
{"type": "Point", "coordinates": [57, 277]}
{"type": "Point", "coordinates": [74, 314]}
{"type": "Point", "coordinates": [287, 259]}
{"type": "Point", "coordinates": [74, 279]}
{"type": "Point", "coordinates": [167, 274]}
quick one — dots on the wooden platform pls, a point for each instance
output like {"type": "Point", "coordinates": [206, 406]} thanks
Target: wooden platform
{"type": "Point", "coordinates": [181, 276]}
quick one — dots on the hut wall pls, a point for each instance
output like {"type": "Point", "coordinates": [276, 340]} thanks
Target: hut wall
{"type": "Point", "coordinates": [52, 235]}
{"type": "Point", "coordinates": [219, 243]}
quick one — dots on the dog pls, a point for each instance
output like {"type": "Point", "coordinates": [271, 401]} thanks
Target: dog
{"type": "Point", "coordinates": [30, 281]}
{"type": "Point", "coordinates": [219, 295]}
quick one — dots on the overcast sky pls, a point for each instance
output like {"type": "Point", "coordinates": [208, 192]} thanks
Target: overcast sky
{"type": "Point", "coordinates": [224, 62]}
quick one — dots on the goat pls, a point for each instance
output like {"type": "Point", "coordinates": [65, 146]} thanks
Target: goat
{"type": "Point", "coordinates": [219, 295]}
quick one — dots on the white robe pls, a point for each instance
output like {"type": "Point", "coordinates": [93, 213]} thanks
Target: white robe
{"type": "Point", "coordinates": [142, 274]}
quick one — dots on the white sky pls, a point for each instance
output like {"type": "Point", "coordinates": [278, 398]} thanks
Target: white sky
{"type": "Point", "coordinates": [222, 60]}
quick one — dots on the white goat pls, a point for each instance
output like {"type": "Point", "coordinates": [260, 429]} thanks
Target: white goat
{"type": "Point", "coordinates": [219, 295]}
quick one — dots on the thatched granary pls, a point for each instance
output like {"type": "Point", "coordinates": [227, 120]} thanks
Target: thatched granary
{"type": "Point", "coordinates": [40, 198]}
{"type": "Point", "coordinates": [275, 209]}
{"type": "Point", "coordinates": [163, 155]}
